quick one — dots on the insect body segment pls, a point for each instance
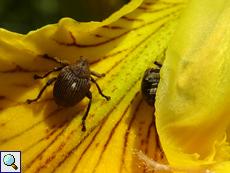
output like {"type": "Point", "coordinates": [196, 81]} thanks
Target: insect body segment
{"type": "Point", "coordinates": [69, 90]}
{"type": "Point", "coordinates": [150, 83]}
{"type": "Point", "coordinates": [72, 84]}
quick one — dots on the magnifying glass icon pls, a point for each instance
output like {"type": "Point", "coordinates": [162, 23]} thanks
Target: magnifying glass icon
{"type": "Point", "coordinates": [9, 160]}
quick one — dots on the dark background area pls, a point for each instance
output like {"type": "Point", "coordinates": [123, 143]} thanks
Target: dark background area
{"type": "Point", "coordinates": [22, 16]}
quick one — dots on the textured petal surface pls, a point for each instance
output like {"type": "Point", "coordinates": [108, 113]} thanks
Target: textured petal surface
{"type": "Point", "coordinates": [193, 98]}
{"type": "Point", "coordinates": [122, 47]}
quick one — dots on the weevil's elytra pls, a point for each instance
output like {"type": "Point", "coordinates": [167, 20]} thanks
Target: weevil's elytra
{"type": "Point", "coordinates": [150, 83]}
{"type": "Point", "coordinates": [64, 94]}
{"type": "Point", "coordinates": [72, 84]}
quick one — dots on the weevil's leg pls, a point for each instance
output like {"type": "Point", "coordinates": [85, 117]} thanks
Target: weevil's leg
{"type": "Point", "coordinates": [89, 95]}
{"type": "Point", "coordinates": [50, 81]}
{"type": "Point", "coordinates": [99, 89]}
{"type": "Point", "coordinates": [158, 64]}
{"type": "Point", "coordinates": [62, 62]}
{"type": "Point", "coordinates": [94, 73]}
{"type": "Point", "coordinates": [54, 70]}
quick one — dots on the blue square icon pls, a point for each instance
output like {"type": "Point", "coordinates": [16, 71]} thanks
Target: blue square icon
{"type": "Point", "coordinates": [10, 161]}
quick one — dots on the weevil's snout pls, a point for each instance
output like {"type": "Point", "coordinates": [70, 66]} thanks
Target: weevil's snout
{"type": "Point", "coordinates": [81, 68]}
{"type": "Point", "coordinates": [83, 61]}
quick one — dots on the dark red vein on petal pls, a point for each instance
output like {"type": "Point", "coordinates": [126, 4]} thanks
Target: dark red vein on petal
{"type": "Point", "coordinates": [109, 55]}
{"type": "Point", "coordinates": [76, 147]}
{"type": "Point", "coordinates": [131, 19]}
{"type": "Point", "coordinates": [112, 27]}
{"type": "Point", "coordinates": [20, 69]}
{"type": "Point", "coordinates": [103, 121]}
{"type": "Point", "coordinates": [39, 156]}
{"type": "Point", "coordinates": [2, 97]}
{"type": "Point", "coordinates": [157, 10]}
{"type": "Point", "coordinates": [74, 43]}
{"type": "Point", "coordinates": [153, 123]}
{"type": "Point", "coordinates": [11, 138]}
{"type": "Point", "coordinates": [158, 146]}
{"type": "Point", "coordinates": [24, 85]}
{"type": "Point", "coordinates": [127, 133]}
{"type": "Point", "coordinates": [64, 125]}
{"type": "Point", "coordinates": [137, 46]}
{"type": "Point", "coordinates": [75, 166]}
{"type": "Point", "coordinates": [71, 152]}
{"type": "Point", "coordinates": [50, 133]}
{"type": "Point", "coordinates": [118, 102]}
{"type": "Point", "coordinates": [113, 130]}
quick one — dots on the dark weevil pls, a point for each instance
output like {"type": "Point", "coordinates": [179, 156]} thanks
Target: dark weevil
{"type": "Point", "coordinates": [72, 84]}
{"type": "Point", "coordinates": [150, 83]}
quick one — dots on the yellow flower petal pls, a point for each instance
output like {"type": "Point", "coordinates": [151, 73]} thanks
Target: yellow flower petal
{"type": "Point", "coordinates": [122, 47]}
{"type": "Point", "coordinates": [193, 97]}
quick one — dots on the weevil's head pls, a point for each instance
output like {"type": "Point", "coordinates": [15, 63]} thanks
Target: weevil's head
{"type": "Point", "coordinates": [81, 68]}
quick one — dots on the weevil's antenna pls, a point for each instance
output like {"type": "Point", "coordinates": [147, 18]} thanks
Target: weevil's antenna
{"type": "Point", "coordinates": [158, 64]}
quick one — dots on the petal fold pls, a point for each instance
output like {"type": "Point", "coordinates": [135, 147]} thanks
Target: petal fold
{"type": "Point", "coordinates": [192, 104]}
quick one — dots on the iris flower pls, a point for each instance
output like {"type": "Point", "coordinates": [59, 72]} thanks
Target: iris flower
{"type": "Point", "coordinates": [186, 131]}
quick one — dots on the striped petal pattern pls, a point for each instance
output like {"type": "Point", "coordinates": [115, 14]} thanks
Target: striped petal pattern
{"type": "Point", "coordinates": [122, 47]}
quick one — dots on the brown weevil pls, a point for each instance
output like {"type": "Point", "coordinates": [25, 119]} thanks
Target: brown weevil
{"type": "Point", "coordinates": [150, 82]}
{"type": "Point", "coordinates": [72, 84]}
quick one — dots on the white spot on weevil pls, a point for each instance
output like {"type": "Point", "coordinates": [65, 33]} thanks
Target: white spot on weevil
{"type": "Point", "coordinates": [73, 85]}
